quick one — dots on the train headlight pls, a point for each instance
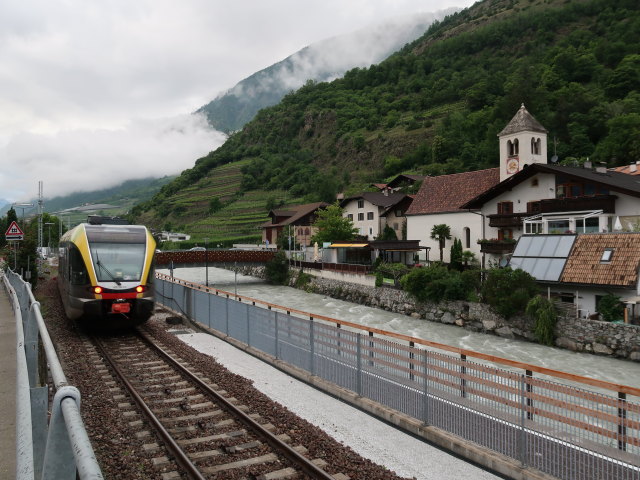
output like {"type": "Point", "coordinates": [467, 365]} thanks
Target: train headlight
{"type": "Point", "coordinates": [97, 290]}
{"type": "Point", "coordinates": [141, 288]}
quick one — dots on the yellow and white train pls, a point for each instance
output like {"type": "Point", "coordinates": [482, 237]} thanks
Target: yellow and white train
{"type": "Point", "coordinates": [106, 274]}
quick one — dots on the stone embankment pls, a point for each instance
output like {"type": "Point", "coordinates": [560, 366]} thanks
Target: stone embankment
{"type": "Point", "coordinates": [581, 335]}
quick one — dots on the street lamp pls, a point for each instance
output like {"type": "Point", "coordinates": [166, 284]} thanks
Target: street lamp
{"type": "Point", "coordinates": [22, 206]}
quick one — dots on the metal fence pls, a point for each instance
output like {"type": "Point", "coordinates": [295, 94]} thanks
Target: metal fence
{"type": "Point", "coordinates": [51, 440]}
{"type": "Point", "coordinates": [566, 430]}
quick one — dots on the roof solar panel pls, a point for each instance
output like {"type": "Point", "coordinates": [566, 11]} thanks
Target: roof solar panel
{"type": "Point", "coordinates": [542, 256]}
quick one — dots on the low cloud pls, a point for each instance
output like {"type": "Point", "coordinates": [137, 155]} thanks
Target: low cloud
{"type": "Point", "coordinates": [86, 160]}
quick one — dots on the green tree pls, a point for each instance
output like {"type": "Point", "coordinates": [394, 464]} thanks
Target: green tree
{"type": "Point", "coordinates": [387, 233]}
{"type": "Point", "coordinates": [332, 226]}
{"type": "Point", "coordinates": [544, 313]}
{"type": "Point", "coordinates": [276, 270]}
{"type": "Point", "coordinates": [610, 308]}
{"type": "Point", "coordinates": [441, 233]}
{"type": "Point", "coordinates": [508, 291]}
{"type": "Point", "coordinates": [215, 204]}
{"type": "Point", "coordinates": [456, 254]}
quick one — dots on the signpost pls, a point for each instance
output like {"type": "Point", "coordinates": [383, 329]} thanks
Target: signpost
{"type": "Point", "coordinates": [13, 234]}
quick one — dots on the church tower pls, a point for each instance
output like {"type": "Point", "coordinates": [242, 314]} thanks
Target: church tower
{"type": "Point", "coordinates": [522, 142]}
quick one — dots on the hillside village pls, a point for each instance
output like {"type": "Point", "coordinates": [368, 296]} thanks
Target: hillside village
{"type": "Point", "coordinates": [573, 228]}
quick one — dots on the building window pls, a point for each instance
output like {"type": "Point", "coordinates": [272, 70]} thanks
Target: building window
{"type": "Point", "coordinates": [505, 208]}
{"type": "Point", "coordinates": [360, 203]}
{"type": "Point", "coordinates": [505, 234]}
{"type": "Point", "coordinates": [350, 216]}
{"type": "Point", "coordinates": [534, 182]}
{"type": "Point", "coordinates": [360, 217]}
{"type": "Point", "coordinates": [369, 215]}
{"type": "Point", "coordinates": [370, 231]}
{"type": "Point", "coordinates": [606, 255]}
{"type": "Point", "coordinates": [512, 148]}
{"type": "Point", "coordinates": [395, 226]}
{"type": "Point", "coordinates": [398, 213]}
{"type": "Point", "coordinates": [467, 237]}
{"type": "Point", "coordinates": [535, 146]}
{"type": "Point", "coordinates": [533, 207]}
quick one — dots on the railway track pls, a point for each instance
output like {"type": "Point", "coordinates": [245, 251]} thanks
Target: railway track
{"type": "Point", "coordinates": [189, 424]}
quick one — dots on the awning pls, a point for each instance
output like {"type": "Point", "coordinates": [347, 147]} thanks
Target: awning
{"type": "Point", "coordinates": [349, 245]}
{"type": "Point", "coordinates": [401, 249]}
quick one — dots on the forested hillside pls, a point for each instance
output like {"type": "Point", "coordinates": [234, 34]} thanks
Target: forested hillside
{"type": "Point", "coordinates": [437, 105]}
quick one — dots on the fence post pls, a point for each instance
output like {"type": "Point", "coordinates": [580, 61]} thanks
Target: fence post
{"type": "Point", "coordinates": [425, 388]}
{"type": "Point", "coordinates": [463, 372]}
{"type": "Point", "coordinates": [411, 367]}
{"type": "Point", "coordinates": [226, 309]}
{"type": "Point", "coordinates": [529, 389]}
{"type": "Point", "coordinates": [277, 342]}
{"type": "Point", "coordinates": [622, 427]}
{"type": "Point", "coordinates": [359, 364]}
{"type": "Point", "coordinates": [248, 325]}
{"type": "Point", "coordinates": [371, 348]}
{"type": "Point", "coordinates": [59, 461]}
{"type": "Point", "coordinates": [523, 433]}
{"type": "Point", "coordinates": [312, 346]}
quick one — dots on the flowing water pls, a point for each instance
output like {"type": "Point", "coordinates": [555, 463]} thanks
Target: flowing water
{"type": "Point", "coordinates": [604, 368]}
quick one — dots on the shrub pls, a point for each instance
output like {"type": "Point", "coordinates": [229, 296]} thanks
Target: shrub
{"type": "Point", "coordinates": [610, 308]}
{"type": "Point", "coordinates": [276, 270]}
{"type": "Point", "coordinates": [508, 291]}
{"type": "Point", "coordinates": [544, 313]}
{"type": "Point", "coordinates": [435, 283]}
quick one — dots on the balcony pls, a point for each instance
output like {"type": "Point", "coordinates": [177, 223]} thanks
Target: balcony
{"type": "Point", "coordinates": [497, 247]}
{"type": "Point", "coordinates": [507, 220]}
{"type": "Point", "coordinates": [606, 203]}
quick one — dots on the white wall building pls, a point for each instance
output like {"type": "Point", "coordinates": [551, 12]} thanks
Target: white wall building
{"type": "Point", "coordinates": [366, 209]}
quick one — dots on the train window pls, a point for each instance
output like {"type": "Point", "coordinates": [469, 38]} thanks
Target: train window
{"type": "Point", "coordinates": [77, 269]}
{"type": "Point", "coordinates": [114, 262]}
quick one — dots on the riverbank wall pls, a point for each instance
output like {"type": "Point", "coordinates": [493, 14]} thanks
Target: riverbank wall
{"type": "Point", "coordinates": [575, 334]}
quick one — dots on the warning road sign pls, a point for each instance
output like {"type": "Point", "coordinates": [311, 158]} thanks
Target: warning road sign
{"type": "Point", "coordinates": [14, 232]}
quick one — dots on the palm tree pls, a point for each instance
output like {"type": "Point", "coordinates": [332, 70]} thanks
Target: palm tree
{"type": "Point", "coordinates": [441, 232]}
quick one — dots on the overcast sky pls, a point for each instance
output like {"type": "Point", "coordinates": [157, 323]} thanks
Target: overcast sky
{"type": "Point", "coordinates": [93, 93]}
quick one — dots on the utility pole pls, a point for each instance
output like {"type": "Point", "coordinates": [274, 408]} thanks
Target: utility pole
{"type": "Point", "coordinates": [40, 210]}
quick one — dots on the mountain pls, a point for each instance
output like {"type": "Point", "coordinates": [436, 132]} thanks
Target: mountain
{"type": "Point", "coordinates": [322, 61]}
{"type": "Point", "coordinates": [122, 197]}
{"type": "Point", "coordinates": [433, 107]}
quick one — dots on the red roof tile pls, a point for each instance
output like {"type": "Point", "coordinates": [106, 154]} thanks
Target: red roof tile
{"type": "Point", "coordinates": [446, 193]}
{"type": "Point", "coordinates": [585, 264]}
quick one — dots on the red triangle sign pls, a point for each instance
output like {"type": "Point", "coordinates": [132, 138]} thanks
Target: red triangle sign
{"type": "Point", "coordinates": [14, 232]}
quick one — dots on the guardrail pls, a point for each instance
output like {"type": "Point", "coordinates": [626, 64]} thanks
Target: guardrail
{"type": "Point", "coordinates": [562, 429]}
{"type": "Point", "coordinates": [51, 440]}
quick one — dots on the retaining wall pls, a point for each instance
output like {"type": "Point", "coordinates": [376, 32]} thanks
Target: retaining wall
{"type": "Point", "coordinates": [576, 334]}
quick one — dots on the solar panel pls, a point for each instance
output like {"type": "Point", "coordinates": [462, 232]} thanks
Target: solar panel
{"type": "Point", "coordinates": [542, 256]}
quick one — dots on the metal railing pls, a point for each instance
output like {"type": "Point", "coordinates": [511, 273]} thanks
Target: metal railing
{"type": "Point", "coordinates": [563, 429]}
{"type": "Point", "coordinates": [51, 440]}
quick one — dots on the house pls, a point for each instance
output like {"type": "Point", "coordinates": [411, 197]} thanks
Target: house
{"type": "Point", "coordinates": [295, 221]}
{"type": "Point", "coordinates": [556, 199]}
{"type": "Point", "coordinates": [439, 201]}
{"type": "Point", "coordinates": [365, 211]}
{"type": "Point", "coordinates": [444, 199]}
{"type": "Point", "coordinates": [395, 216]}
{"type": "Point", "coordinates": [401, 181]}
{"type": "Point", "coordinates": [579, 269]}
{"type": "Point", "coordinates": [365, 253]}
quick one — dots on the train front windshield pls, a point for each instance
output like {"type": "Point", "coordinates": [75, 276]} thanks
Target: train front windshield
{"type": "Point", "coordinates": [116, 262]}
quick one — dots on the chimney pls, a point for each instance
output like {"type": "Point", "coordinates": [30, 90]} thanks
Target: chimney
{"type": "Point", "coordinates": [602, 168]}
{"type": "Point", "coordinates": [633, 168]}
{"type": "Point", "coordinates": [587, 164]}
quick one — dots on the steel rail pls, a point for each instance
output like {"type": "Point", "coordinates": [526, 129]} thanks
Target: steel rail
{"type": "Point", "coordinates": [306, 465]}
{"type": "Point", "coordinates": [180, 456]}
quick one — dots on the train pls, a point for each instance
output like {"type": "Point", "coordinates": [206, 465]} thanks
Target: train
{"type": "Point", "coordinates": [105, 274]}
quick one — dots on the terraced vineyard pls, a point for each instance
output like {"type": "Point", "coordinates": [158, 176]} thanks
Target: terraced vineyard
{"type": "Point", "coordinates": [238, 221]}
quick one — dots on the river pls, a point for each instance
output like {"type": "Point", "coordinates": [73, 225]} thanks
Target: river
{"type": "Point", "coordinates": [599, 367]}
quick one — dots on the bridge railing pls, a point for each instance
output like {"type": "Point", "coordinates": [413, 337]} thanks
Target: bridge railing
{"type": "Point", "coordinates": [553, 421]}
{"type": "Point", "coordinates": [51, 439]}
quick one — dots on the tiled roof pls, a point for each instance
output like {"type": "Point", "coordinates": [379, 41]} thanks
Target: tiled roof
{"type": "Point", "coordinates": [522, 121]}
{"type": "Point", "coordinates": [584, 265]}
{"type": "Point", "coordinates": [294, 213]}
{"type": "Point", "coordinates": [613, 180]}
{"type": "Point", "coordinates": [447, 193]}
{"type": "Point", "coordinates": [628, 169]}
{"type": "Point", "coordinates": [378, 199]}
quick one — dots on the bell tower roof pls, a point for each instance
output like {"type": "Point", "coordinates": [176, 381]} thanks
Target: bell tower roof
{"type": "Point", "coordinates": [522, 121]}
